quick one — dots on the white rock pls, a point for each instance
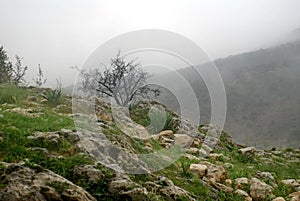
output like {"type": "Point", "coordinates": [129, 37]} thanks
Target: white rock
{"type": "Point", "coordinates": [290, 183]}
{"type": "Point", "coordinates": [183, 140]}
{"type": "Point", "coordinates": [259, 190]}
{"type": "Point", "coordinates": [198, 169]}
{"type": "Point", "coordinates": [247, 151]}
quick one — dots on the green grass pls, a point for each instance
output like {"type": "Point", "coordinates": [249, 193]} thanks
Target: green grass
{"type": "Point", "coordinates": [12, 94]}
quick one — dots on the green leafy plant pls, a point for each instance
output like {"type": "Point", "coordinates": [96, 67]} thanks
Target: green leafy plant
{"type": "Point", "coordinates": [54, 97]}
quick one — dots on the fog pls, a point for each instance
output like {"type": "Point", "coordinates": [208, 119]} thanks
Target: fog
{"type": "Point", "coordinates": [59, 34]}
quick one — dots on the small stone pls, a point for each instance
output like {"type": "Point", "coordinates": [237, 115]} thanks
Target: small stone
{"type": "Point", "coordinates": [167, 133]}
{"type": "Point", "coordinates": [228, 165]}
{"type": "Point", "coordinates": [241, 183]}
{"type": "Point", "coordinates": [216, 172]}
{"type": "Point", "coordinates": [228, 182]}
{"type": "Point", "coordinates": [183, 140]}
{"type": "Point", "coordinates": [248, 151]}
{"type": "Point", "coordinates": [243, 194]}
{"type": "Point", "coordinates": [279, 199]}
{"type": "Point", "coordinates": [220, 186]}
{"type": "Point", "coordinates": [198, 169]}
{"type": "Point", "coordinates": [290, 183]}
{"type": "Point", "coordinates": [196, 143]}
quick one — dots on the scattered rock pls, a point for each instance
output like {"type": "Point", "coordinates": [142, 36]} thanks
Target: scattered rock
{"type": "Point", "coordinates": [167, 133]}
{"type": "Point", "coordinates": [267, 176]}
{"type": "Point", "coordinates": [243, 194]}
{"type": "Point", "coordinates": [196, 143]}
{"type": "Point", "coordinates": [29, 112]}
{"type": "Point", "coordinates": [52, 138]}
{"type": "Point", "coordinates": [259, 190]}
{"type": "Point", "coordinates": [198, 169]}
{"type": "Point", "coordinates": [228, 182]}
{"type": "Point", "coordinates": [241, 183]}
{"type": "Point", "coordinates": [295, 196]}
{"type": "Point", "coordinates": [220, 186]}
{"type": "Point", "coordinates": [172, 192]}
{"type": "Point", "coordinates": [183, 140]}
{"type": "Point", "coordinates": [216, 172]}
{"type": "Point", "coordinates": [248, 151]}
{"type": "Point", "coordinates": [40, 149]}
{"type": "Point", "coordinates": [290, 183]}
{"type": "Point", "coordinates": [215, 156]}
{"type": "Point", "coordinates": [279, 199]}
{"type": "Point", "coordinates": [228, 165]}
{"type": "Point", "coordinates": [87, 172]}
{"type": "Point", "coordinates": [193, 150]}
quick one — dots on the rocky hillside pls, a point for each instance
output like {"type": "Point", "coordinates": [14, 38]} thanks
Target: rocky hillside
{"type": "Point", "coordinates": [42, 158]}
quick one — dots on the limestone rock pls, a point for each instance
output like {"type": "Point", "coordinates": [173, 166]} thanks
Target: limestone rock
{"type": "Point", "coordinates": [220, 186]}
{"type": "Point", "coordinates": [183, 140]}
{"type": "Point", "coordinates": [228, 182]}
{"type": "Point", "coordinates": [243, 194]}
{"type": "Point", "coordinates": [295, 196]}
{"type": "Point", "coordinates": [248, 151]}
{"type": "Point", "coordinates": [216, 172]}
{"type": "Point", "coordinates": [268, 177]}
{"type": "Point", "coordinates": [87, 172]}
{"type": "Point", "coordinates": [198, 169]}
{"type": "Point", "coordinates": [279, 199]}
{"type": "Point", "coordinates": [259, 190]}
{"type": "Point", "coordinates": [28, 112]}
{"type": "Point", "coordinates": [214, 156]}
{"type": "Point", "coordinates": [241, 183]}
{"type": "Point", "coordinates": [290, 183]}
{"type": "Point", "coordinates": [24, 183]}
{"type": "Point", "coordinates": [172, 192]}
{"type": "Point", "coordinates": [122, 185]}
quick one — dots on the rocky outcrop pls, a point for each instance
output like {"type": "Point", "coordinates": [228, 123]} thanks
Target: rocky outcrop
{"type": "Point", "coordinates": [24, 183]}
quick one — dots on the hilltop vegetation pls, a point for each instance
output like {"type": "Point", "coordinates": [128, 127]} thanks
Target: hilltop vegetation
{"type": "Point", "coordinates": [42, 158]}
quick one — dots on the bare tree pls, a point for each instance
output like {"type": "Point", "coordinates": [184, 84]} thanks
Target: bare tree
{"type": "Point", "coordinates": [18, 71]}
{"type": "Point", "coordinates": [39, 80]}
{"type": "Point", "coordinates": [121, 80]}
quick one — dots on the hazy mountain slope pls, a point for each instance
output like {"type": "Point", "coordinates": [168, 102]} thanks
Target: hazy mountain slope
{"type": "Point", "coordinates": [263, 95]}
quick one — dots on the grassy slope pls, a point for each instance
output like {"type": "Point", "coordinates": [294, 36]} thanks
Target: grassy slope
{"type": "Point", "coordinates": [14, 128]}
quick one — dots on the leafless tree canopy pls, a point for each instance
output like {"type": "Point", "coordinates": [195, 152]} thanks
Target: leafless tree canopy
{"type": "Point", "coordinates": [121, 80]}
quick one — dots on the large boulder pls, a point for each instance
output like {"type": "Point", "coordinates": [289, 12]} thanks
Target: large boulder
{"type": "Point", "coordinates": [259, 190]}
{"type": "Point", "coordinates": [23, 183]}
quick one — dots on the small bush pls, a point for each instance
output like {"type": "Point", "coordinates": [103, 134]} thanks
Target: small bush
{"type": "Point", "coordinates": [53, 97]}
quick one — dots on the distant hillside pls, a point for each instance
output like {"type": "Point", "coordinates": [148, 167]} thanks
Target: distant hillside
{"type": "Point", "coordinates": [263, 95]}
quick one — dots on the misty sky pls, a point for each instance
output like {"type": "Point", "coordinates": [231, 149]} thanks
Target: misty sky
{"type": "Point", "coordinates": [61, 33]}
